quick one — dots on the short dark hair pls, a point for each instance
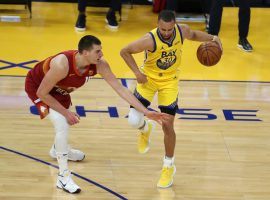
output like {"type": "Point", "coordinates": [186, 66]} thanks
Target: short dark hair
{"type": "Point", "coordinates": [87, 42]}
{"type": "Point", "coordinates": [166, 16]}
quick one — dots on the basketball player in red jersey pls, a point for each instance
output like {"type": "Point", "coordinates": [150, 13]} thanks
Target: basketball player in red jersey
{"type": "Point", "coordinates": [48, 85]}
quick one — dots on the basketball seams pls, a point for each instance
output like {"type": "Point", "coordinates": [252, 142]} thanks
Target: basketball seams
{"type": "Point", "coordinates": [214, 53]}
{"type": "Point", "coordinates": [207, 56]}
{"type": "Point", "coordinates": [209, 53]}
{"type": "Point", "coordinates": [201, 51]}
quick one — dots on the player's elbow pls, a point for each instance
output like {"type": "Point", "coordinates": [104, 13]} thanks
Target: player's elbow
{"type": "Point", "coordinates": [191, 35]}
{"type": "Point", "coordinates": [124, 52]}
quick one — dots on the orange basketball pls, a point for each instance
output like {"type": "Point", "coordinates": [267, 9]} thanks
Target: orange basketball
{"type": "Point", "coordinates": [209, 53]}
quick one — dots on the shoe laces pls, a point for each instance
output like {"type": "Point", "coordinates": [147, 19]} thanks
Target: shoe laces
{"type": "Point", "coordinates": [144, 137]}
{"type": "Point", "coordinates": [165, 173]}
{"type": "Point", "coordinates": [244, 41]}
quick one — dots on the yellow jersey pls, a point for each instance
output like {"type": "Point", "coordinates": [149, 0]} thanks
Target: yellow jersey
{"type": "Point", "coordinates": [163, 62]}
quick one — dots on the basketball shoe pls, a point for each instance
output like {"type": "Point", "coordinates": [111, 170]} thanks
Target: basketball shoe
{"type": "Point", "coordinates": [73, 154]}
{"type": "Point", "coordinates": [65, 182]}
{"type": "Point", "coordinates": [80, 23]}
{"type": "Point", "coordinates": [166, 177]}
{"type": "Point", "coordinates": [144, 138]}
{"type": "Point", "coordinates": [244, 45]}
{"type": "Point", "coordinates": [111, 20]}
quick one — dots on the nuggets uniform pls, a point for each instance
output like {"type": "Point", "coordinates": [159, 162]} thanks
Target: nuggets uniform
{"type": "Point", "coordinates": [61, 90]}
{"type": "Point", "coordinates": [161, 66]}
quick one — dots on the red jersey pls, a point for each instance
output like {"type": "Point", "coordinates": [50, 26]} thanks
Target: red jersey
{"type": "Point", "coordinates": [61, 91]}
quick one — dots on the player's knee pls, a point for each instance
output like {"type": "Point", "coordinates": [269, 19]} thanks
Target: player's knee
{"type": "Point", "coordinates": [135, 118]}
{"type": "Point", "coordinates": [59, 122]}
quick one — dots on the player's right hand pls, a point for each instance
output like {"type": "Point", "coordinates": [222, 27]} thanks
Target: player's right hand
{"type": "Point", "coordinates": [217, 40]}
{"type": "Point", "coordinates": [141, 78]}
{"type": "Point", "coordinates": [72, 118]}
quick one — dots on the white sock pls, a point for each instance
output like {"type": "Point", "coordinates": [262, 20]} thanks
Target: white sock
{"type": "Point", "coordinates": [62, 159]}
{"type": "Point", "coordinates": [168, 161]}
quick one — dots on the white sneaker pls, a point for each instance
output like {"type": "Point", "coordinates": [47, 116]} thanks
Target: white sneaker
{"type": "Point", "coordinates": [66, 183]}
{"type": "Point", "coordinates": [73, 154]}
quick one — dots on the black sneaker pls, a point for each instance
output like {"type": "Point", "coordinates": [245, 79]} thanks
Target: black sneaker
{"type": "Point", "coordinates": [111, 20]}
{"type": "Point", "coordinates": [80, 24]}
{"type": "Point", "coordinates": [244, 45]}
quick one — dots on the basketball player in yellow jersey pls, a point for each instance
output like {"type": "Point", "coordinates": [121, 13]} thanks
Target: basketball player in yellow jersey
{"type": "Point", "coordinates": [159, 74]}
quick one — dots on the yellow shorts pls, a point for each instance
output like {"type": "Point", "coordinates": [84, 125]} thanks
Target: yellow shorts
{"type": "Point", "coordinates": [167, 94]}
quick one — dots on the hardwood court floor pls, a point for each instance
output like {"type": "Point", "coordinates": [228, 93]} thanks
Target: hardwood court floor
{"type": "Point", "coordinates": [217, 156]}
{"type": "Point", "coordinates": [215, 159]}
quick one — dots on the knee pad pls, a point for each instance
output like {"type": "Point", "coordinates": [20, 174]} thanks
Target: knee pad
{"type": "Point", "coordinates": [135, 118]}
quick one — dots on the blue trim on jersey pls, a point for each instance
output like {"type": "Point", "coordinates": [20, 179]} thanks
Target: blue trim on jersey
{"type": "Point", "coordinates": [178, 26]}
{"type": "Point", "coordinates": [155, 43]}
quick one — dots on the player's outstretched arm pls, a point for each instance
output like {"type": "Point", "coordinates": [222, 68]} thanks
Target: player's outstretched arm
{"type": "Point", "coordinates": [105, 71]}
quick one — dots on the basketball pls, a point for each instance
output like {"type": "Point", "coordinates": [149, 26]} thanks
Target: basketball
{"type": "Point", "coordinates": [209, 53]}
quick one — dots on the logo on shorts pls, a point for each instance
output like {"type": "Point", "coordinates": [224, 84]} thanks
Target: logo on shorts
{"type": "Point", "coordinates": [91, 72]}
